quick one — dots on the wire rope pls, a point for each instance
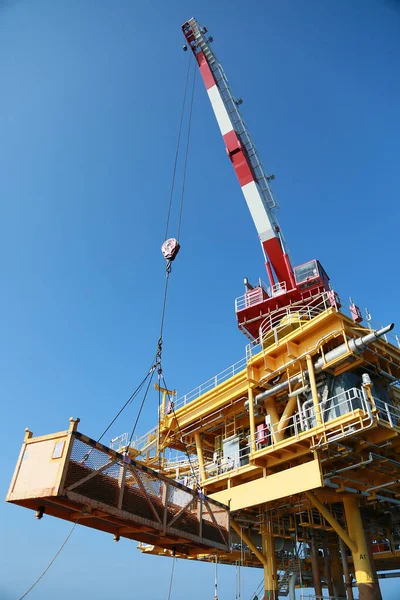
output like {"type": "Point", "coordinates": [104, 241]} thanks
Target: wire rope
{"type": "Point", "coordinates": [141, 408]}
{"type": "Point", "coordinates": [156, 364]}
{"type": "Point", "coordinates": [186, 153]}
{"type": "Point", "coordinates": [216, 579]}
{"type": "Point", "coordinates": [172, 578]}
{"type": "Point", "coordinates": [53, 559]}
{"type": "Point", "coordinates": [171, 403]}
{"type": "Point", "coordinates": [177, 149]}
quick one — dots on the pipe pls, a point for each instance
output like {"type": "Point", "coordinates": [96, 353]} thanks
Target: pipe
{"type": "Point", "coordinates": [346, 571]}
{"type": "Point", "coordinates": [200, 456]}
{"type": "Point", "coordinates": [293, 581]}
{"type": "Point", "coordinates": [299, 391]}
{"type": "Point", "coordinates": [335, 486]}
{"type": "Point", "coordinates": [315, 568]}
{"type": "Point", "coordinates": [249, 543]}
{"type": "Point", "coordinates": [287, 414]}
{"type": "Point", "coordinates": [251, 420]}
{"type": "Point", "coordinates": [359, 464]}
{"type": "Point", "coordinates": [314, 393]}
{"type": "Point", "coordinates": [384, 485]}
{"type": "Point", "coordinates": [356, 345]}
{"type": "Point", "coordinates": [385, 459]}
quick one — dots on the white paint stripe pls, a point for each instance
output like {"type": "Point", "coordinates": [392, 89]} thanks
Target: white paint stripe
{"type": "Point", "coordinates": [221, 114]}
{"type": "Point", "coordinates": [258, 212]}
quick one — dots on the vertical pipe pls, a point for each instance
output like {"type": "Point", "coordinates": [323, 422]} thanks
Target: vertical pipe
{"type": "Point", "coordinates": [251, 420]}
{"type": "Point", "coordinates": [270, 575]}
{"type": "Point", "coordinates": [314, 392]}
{"type": "Point", "coordinates": [336, 569]}
{"type": "Point", "coordinates": [328, 570]}
{"type": "Point", "coordinates": [346, 571]}
{"type": "Point", "coordinates": [373, 566]}
{"type": "Point", "coordinates": [200, 455]}
{"type": "Point", "coordinates": [216, 579]}
{"type": "Point", "coordinates": [368, 588]}
{"type": "Point", "coordinates": [315, 569]}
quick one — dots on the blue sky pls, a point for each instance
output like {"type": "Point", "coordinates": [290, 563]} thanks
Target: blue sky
{"type": "Point", "coordinates": [89, 112]}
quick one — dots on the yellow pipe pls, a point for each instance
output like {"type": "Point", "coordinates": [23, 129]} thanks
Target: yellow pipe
{"type": "Point", "coordinates": [332, 521]}
{"type": "Point", "coordinates": [248, 541]}
{"type": "Point", "coordinates": [273, 413]}
{"type": "Point", "coordinates": [251, 420]}
{"type": "Point", "coordinates": [287, 413]}
{"type": "Point", "coordinates": [200, 455]}
{"type": "Point", "coordinates": [270, 574]}
{"type": "Point", "coordinates": [314, 392]}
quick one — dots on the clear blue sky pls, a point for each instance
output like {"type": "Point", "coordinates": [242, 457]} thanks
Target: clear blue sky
{"type": "Point", "coordinates": [89, 110]}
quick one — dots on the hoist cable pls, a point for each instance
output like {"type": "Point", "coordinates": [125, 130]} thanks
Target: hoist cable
{"type": "Point", "coordinates": [53, 559]}
{"type": "Point", "coordinates": [164, 306]}
{"type": "Point", "coordinates": [172, 577]}
{"type": "Point", "coordinates": [129, 401]}
{"type": "Point", "coordinates": [141, 408]}
{"type": "Point", "coordinates": [216, 579]}
{"type": "Point", "coordinates": [177, 149]}
{"type": "Point", "coordinates": [171, 403]}
{"type": "Point", "coordinates": [156, 364]}
{"type": "Point", "coordinates": [186, 152]}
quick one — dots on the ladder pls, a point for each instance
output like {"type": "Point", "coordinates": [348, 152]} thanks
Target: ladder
{"type": "Point", "coordinates": [283, 585]}
{"type": "Point", "coordinates": [284, 579]}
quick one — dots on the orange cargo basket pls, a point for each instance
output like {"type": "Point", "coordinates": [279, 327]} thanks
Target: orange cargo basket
{"type": "Point", "coordinates": [70, 476]}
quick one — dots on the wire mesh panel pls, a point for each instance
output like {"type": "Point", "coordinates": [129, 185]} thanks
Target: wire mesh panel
{"type": "Point", "coordinates": [116, 485]}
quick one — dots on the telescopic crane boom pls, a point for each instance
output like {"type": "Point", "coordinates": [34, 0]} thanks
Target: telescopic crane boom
{"type": "Point", "coordinates": [242, 153]}
{"type": "Point", "coordinates": [288, 284]}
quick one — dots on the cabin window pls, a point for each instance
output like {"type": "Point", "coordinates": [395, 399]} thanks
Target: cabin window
{"type": "Point", "coordinates": [306, 272]}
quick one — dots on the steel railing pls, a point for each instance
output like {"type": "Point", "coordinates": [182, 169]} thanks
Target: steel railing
{"type": "Point", "coordinates": [209, 384]}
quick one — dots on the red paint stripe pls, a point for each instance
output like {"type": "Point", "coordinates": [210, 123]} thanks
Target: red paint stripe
{"type": "Point", "coordinates": [273, 250]}
{"type": "Point", "coordinates": [239, 161]}
{"type": "Point", "coordinates": [232, 141]}
{"type": "Point", "coordinates": [205, 70]}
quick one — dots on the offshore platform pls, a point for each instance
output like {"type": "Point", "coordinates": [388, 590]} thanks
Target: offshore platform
{"type": "Point", "coordinates": [289, 460]}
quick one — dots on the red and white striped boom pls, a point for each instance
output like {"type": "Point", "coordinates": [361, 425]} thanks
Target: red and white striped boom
{"type": "Point", "coordinates": [243, 155]}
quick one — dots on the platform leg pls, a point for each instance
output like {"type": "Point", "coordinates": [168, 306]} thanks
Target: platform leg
{"type": "Point", "coordinates": [328, 568]}
{"type": "Point", "coordinates": [346, 570]}
{"type": "Point", "coordinates": [270, 575]}
{"type": "Point", "coordinates": [368, 588]}
{"type": "Point", "coordinates": [337, 571]}
{"type": "Point", "coordinates": [315, 568]}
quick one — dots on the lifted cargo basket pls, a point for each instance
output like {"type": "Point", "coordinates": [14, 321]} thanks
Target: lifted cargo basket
{"type": "Point", "coordinates": [70, 476]}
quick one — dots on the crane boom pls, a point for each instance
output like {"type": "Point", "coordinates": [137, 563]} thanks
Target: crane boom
{"type": "Point", "coordinates": [243, 155]}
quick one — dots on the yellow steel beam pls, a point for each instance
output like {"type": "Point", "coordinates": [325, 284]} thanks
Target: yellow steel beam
{"type": "Point", "coordinates": [248, 541]}
{"type": "Point", "coordinates": [200, 456]}
{"type": "Point", "coordinates": [272, 487]}
{"type": "Point", "coordinates": [251, 419]}
{"type": "Point", "coordinates": [314, 392]}
{"type": "Point", "coordinates": [332, 521]}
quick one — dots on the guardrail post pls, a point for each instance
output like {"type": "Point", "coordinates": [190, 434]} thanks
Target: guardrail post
{"type": "Point", "coordinates": [251, 420]}
{"type": "Point", "coordinates": [314, 392]}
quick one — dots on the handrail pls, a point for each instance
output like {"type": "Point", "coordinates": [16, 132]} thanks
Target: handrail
{"type": "Point", "coordinates": [209, 384]}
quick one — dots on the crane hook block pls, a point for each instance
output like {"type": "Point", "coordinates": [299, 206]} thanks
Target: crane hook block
{"type": "Point", "coordinates": [170, 249]}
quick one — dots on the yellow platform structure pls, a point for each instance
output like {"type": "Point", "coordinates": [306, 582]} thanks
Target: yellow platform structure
{"type": "Point", "coordinates": [301, 439]}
